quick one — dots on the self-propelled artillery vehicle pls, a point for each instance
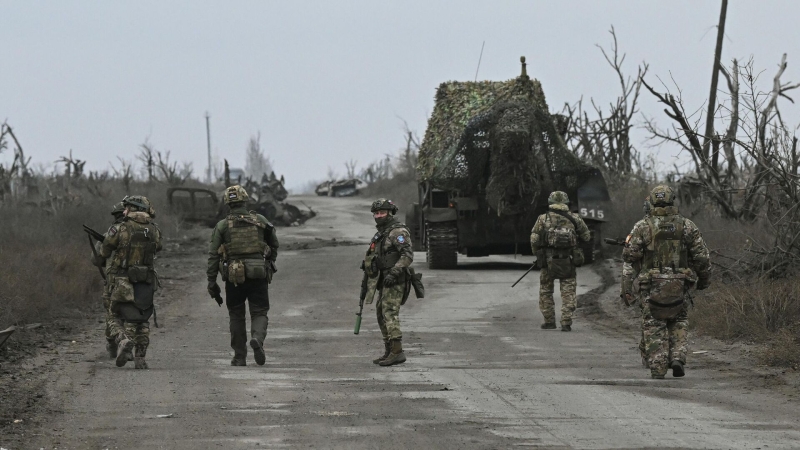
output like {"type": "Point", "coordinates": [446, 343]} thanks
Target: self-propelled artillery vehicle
{"type": "Point", "coordinates": [491, 155]}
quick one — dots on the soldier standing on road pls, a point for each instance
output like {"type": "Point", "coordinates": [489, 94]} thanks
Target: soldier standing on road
{"type": "Point", "coordinates": [627, 286]}
{"type": "Point", "coordinates": [118, 211]}
{"type": "Point", "coordinates": [386, 265]}
{"type": "Point", "coordinates": [132, 280]}
{"type": "Point", "coordinates": [554, 240]}
{"type": "Point", "coordinates": [243, 249]}
{"type": "Point", "coordinates": [671, 257]}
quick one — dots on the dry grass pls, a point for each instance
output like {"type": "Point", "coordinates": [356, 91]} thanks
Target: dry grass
{"type": "Point", "coordinates": [45, 257]}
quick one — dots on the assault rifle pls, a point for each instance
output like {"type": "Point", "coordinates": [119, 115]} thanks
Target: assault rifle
{"type": "Point", "coordinates": [361, 301]}
{"type": "Point", "coordinates": [612, 241]}
{"type": "Point", "coordinates": [99, 237]}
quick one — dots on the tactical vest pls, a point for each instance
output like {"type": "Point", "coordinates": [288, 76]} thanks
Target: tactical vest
{"type": "Point", "coordinates": [385, 258]}
{"type": "Point", "coordinates": [137, 255]}
{"type": "Point", "coordinates": [246, 236]}
{"type": "Point", "coordinates": [666, 248]}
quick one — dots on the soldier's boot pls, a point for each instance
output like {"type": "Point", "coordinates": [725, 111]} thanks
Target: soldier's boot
{"type": "Point", "coordinates": [677, 369]}
{"type": "Point", "coordinates": [124, 352]}
{"type": "Point", "coordinates": [565, 327]}
{"type": "Point", "coordinates": [258, 352]}
{"type": "Point", "coordinates": [388, 348]}
{"type": "Point", "coordinates": [549, 326]}
{"type": "Point", "coordinates": [396, 355]}
{"type": "Point", "coordinates": [111, 348]}
{"type": "Point", "coordinates": [138, 360]}
{"type": "Point", "coordinates": [238, 362]}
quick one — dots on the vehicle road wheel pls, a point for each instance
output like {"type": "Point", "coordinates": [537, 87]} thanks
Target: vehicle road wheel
{"type": "Point", "coordinates": [442, 245]}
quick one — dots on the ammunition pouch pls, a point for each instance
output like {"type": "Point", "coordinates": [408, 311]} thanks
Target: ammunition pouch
{"type": "Point", "coordinates": [667, 295]}
{"type": "Point", "coordinates": [255, 269]}
{"type": "Point", "coordinates": [236, 274]}
{"type": "Point", "coordinates": [560, 267]}
{"type": "Point", "coordinates": [413, 281]}
{"type": "Point", "coordinates": [370, 265]}
{"type": "Point", "coordinates": [140, 274]}
{"type": "Point", "coordinates": [577, 257]}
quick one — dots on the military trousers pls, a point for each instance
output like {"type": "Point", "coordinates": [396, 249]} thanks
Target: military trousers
{"type": "Point", "coordinates": [547, 304]}
{"type": "Point", "coordinates": [117, 328]}
{"type": "Point", "coordinates": [388, 311]}
{"type": "Point", "coordinates": [256, 293]}
{"type": "Point", "coordinates": [664, 341]}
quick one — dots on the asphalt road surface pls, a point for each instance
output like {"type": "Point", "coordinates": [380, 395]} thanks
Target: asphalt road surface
{"type": "Point", "coordinates": [480, 372]}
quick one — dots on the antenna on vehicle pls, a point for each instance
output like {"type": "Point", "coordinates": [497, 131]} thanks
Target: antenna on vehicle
{"type": "Point", "coordinates": [479, 61]}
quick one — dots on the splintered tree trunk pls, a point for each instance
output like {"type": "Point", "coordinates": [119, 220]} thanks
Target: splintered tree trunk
{"type": "Point", "coordinates": [712, 96]}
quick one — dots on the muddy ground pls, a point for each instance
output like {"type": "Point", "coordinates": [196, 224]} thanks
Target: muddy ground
{"type": "Point", "coordinates": [480, 374]}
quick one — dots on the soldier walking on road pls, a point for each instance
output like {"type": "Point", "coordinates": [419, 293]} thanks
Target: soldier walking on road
{"type": "Point", "coordinates": [243, 249]}
{"type": "Point", "coordinates": [386, 267]}
{"type": "Point", "coordinates": [554, 240]}
{"type": "Point", "coordinates": [666, 257]}
{"type": "Point", "coordinates": [132, 280]}
{"type": "Point", "coordinates": [118, 211]}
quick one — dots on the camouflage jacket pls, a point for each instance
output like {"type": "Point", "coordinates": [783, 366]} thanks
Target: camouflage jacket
{"type": "Point", "coordinates": [552, 220]}
{"type": "Point", "coordinates": [116, 244]}
{"type": "Point", "coordinates": [633, 255]}
{"type": "Point", "coordinates": [221, 235]}
{"type": "Point", "coordinates": [391, 245]}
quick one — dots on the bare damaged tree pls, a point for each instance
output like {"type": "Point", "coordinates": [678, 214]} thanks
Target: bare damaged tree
{"type": "Point", "coordinates": [147, 157]}
{"type": "Point", "coordinates": [350, 166]}
{"type": "Point", "coordinates": [605, 140]}
{"type": "Point", "coordinates": [757, 177]}
{"type": "Point", "coordinates": [171, 174]}
{"type": "Point", "coordinates": [73, 168]}
{"type": "Point", "coordinates": [124, 173]}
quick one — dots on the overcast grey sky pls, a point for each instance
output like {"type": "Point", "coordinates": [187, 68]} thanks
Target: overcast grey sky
{"type": "Point", "coordinates": [326, 81]}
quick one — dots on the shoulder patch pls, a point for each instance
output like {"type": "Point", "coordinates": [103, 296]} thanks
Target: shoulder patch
{"type": "Point", "coordinates": [112, 231]}
{"type": "Point", "coordinates": [401, 239]}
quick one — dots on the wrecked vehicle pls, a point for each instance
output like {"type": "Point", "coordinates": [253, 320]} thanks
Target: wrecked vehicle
{"type": "Point", "coordinates": [199, 205]}
{"type": "Point", "coordinates": [340, 188]}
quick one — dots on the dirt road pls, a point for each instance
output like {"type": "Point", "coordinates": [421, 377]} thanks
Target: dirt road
{"type": "Point", "coordinates": [480, 372]}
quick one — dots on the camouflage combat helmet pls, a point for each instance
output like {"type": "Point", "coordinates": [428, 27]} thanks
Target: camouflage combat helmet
{"type": "Point", "coordinates": [235, 194]}
{"type": "Point", "coordinates": [558, 197]}
{"type": "Point", "coordinates": [138, 203]}
{"type": "Point", "coordinates": [662, 195]}
{"type": "Point", "coordinates": [118, 209]}
{"type": "Point", "coordinates": [383, 204]}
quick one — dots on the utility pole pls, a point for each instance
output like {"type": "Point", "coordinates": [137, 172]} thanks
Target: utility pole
{"type": "Point", "coordinates": [208, 141]}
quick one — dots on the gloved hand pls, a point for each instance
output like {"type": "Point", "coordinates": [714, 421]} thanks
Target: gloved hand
{"type": "Point", "coordinates": [214, 291]}
{"type": "Point", "coordinates": [702, 283]}
{"type": "Point", "coordinates": [392, 276]}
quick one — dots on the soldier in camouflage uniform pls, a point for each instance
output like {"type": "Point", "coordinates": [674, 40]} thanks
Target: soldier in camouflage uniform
{"type": "Point", "coordinates": [554, 240]}
{"type": "Point", "coordinates": [666, 257]}
{"type": "Point", "coordinates": [386, 264]}
{"type": "Point", "coordinates": [132, 280]}
{"type": "Point", "coordinates": [243, 249]}
{"type": "Point", "coordinates": [630, 268]}
{"type": "Point", "coordinates": [118, 212]}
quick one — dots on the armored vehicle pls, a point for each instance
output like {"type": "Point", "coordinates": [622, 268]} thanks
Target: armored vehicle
{"type": "Point", "coordinates": [491, 155]}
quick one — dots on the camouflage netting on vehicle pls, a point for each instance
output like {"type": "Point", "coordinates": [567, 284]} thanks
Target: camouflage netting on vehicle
{"type": "Point", "coordinates": [496, 138]}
